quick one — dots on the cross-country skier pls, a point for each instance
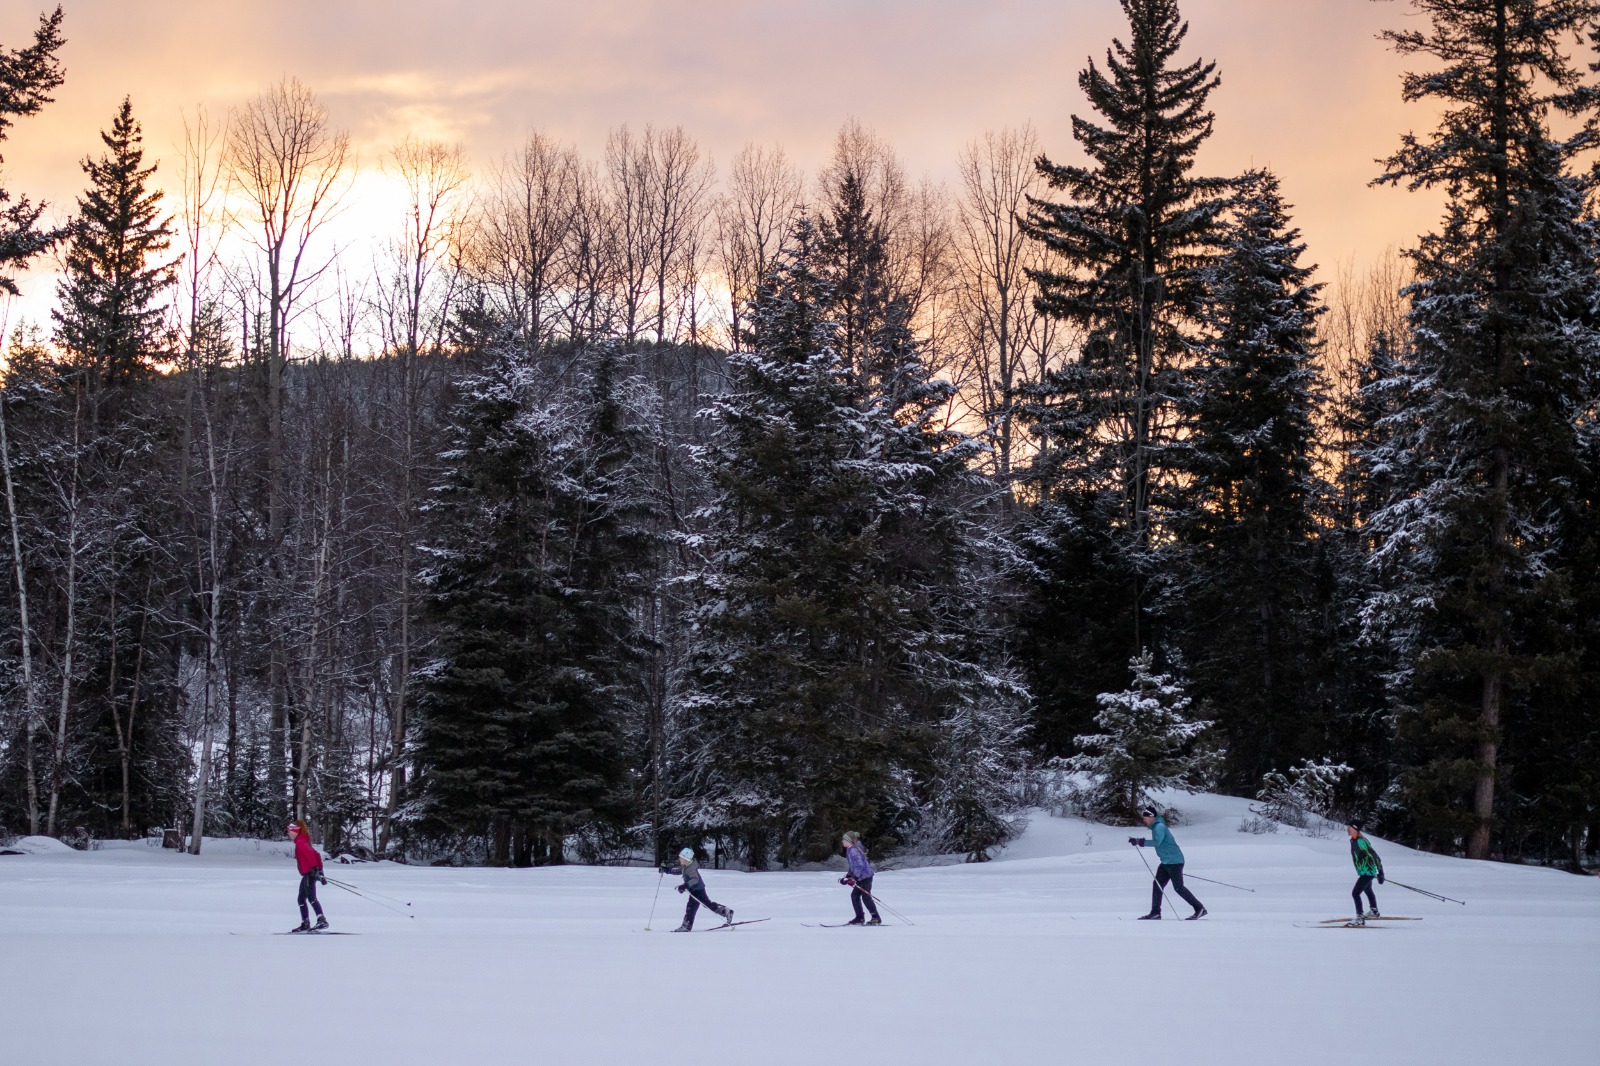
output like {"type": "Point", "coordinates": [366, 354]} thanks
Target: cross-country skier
{"type": "Point", "coordinates": [1368, 866]}
{"type": "Point", "coordinates": [695, 885]}
{"type": "Point", "coordinates": [1171, 868]}
{"type": "Point", "coordinates": [310, 864]}
{"type": "Point", "coordinates": [859, 878]}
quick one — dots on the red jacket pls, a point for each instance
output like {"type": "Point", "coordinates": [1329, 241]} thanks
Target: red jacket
{"type": "Point", "coordinates": [305, 854]}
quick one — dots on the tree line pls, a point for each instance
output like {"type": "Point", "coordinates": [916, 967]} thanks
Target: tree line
{"type": "Point", "coordinates": [605, 505]}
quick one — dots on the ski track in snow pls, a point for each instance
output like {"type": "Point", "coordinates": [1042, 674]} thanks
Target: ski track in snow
{"type": "Point", "coordinates": [123, 956]}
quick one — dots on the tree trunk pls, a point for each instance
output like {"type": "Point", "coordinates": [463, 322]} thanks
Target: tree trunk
{"type": "Point", "coordinates": [30, 706]}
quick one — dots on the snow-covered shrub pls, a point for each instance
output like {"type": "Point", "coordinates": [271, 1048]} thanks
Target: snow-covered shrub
{"type": "Point", "coordinates": [1257, 825]}
{"type": "Point", "coordinates": [1303, 797]}
{"type": "Point", "coordinates": [1148, 741]}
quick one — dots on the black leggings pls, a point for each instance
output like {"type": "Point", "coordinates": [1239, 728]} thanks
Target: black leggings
{"type": "Point", "coordinates": [308, 894]}
{"type": "Point", "coordinates": [862, 893]}
{"type": "Point", "coordinates": [1173, 872]}
{"type": "Point", "coordinates": [697, 896]}
{"type": "Point", "coordinates": [1363, 884]}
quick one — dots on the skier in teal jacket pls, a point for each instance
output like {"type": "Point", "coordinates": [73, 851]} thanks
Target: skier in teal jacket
{"type": "Point", "coordinates": [1171, 868]}
{"type": "Point", "coordinates": [1368, 866]}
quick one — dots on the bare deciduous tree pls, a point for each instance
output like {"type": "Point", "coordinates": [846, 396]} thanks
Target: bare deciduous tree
{"type": "Point", "coordinates": [415, 306]}
{"type": "Point", "coordinates": [290, 166]}
{"type": "Point", "coordinates": [753, 217]}
{"type": "Point", "coordinates": [1001, 339]}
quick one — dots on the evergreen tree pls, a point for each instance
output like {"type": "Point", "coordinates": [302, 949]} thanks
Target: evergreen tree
{"type": "Point", "coordinates": [519, 737]}
{"type": "Point", "coordinates": [27, 77]}
{"type": "Point", "coordinates": [840, 676]}
{"type": "Point", "coordinates": [1147, 741]}
{"type": "Point", "coordinates": [1134, 236]}
{"type": "Point", "coordinates": [1243, 568]}
{"type": "Point", "coordinates": [108, 317]}
{"type": "Point", "coordinates": [1473, 546]}
{"type": "Point", "coordinates": [1131, 239]}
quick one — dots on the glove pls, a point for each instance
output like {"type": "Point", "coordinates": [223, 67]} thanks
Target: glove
{"type": "Point", "coordinates": [1136, 841]}
{"type": "Point", "coordinates": [1380, 877]}
{"type": "Point", "coordinates": [322, 878]}
{"type": "Point", "coordinates": [847, 880]}
{"type": "Point", "coordinates": [683, 888]}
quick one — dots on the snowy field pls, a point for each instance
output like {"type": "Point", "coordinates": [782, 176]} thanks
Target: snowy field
{"type": "Point", "coordinates": [134, 956]}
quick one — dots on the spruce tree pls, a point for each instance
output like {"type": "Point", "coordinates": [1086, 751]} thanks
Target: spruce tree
{"type": "Point", "coordinates": [520, 740]}
{"type": "Point", "coordinates": [840, 674]}
{"type": "Point", "coordinates": [108, 317]}
{"type": "Point", "coordinates": [1130, 240]}
{"type": "Point", "coordinates": [27, 77]}
{"type": "Point", "coordinates": [1147, 741]}
{"type": "Point", "coordinates": [1243, 550]}
{"type": "Point", "coordinates": [1484, 438]}
{"type": "Point", "coordinates": [1133, 236]}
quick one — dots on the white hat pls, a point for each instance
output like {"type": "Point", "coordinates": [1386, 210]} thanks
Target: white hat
{"type": "Point", "coordinates": [687, 853]}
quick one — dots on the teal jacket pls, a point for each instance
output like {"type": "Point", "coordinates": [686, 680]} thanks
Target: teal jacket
{"type": "Point", "coordinates": [1167, 849]}
{"type": "Point", "coordinates": [1367, 862]}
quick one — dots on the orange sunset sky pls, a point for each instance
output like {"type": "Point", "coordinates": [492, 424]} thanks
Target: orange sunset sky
{"type": "Point", "coordinates": [1307, 88]}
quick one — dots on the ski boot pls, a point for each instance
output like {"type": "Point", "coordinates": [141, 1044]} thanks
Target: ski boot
{"type": "Point", "coordinates": [1356, 923]}
{"type": "Point", "coordinates": [1373, 913]}
{"type": "Point", "coordinates": [303, 927]}
{"type": "Point", "coordinates": [856, 921]}
{"type": "Point", "coordinates": [1199, 912]}
{"type": "Point", "coordinates": [875, 920]}
{"type": "Point", "coordinates": [1153, 916]}
{"type": "Point", "coordinates": [727, 916]}
{"type": "Point", "coordinates": [322, 923]}
{"type": "Point", "coordinates": [684, 928]}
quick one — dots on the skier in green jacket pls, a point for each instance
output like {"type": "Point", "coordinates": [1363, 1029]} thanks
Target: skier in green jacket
{"type": "Point", "coordinates": [1368, 866]}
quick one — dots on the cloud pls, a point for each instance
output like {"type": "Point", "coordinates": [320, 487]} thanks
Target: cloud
{"type": "Point", "coordinates": [1306, 86]}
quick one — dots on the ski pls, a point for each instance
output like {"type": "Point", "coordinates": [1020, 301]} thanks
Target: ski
{"type": "Point", "coordinates": [730, 925]}
{"type": "Point", "coordinates": [836, 925]}
{"type": "Point", "coordinates": [316, 932]}
{"type": "Point", "coordinates": [1324, 925]}
{"type": "Point", "coordinates": [1385, 918]}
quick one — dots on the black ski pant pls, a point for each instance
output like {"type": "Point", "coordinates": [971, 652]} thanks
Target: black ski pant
{"type": "Point", "coordinates": [308, 894]}
{"type": "Point", "coordinates": [1170, 872]}
{"type": "Point", "coordinates": [1363, 884]}
{"type": "Point", "coordinates": [862, 893]}
{"type": "Point", "coordinates": [697, 896]}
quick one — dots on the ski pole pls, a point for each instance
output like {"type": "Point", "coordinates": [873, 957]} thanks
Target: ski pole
{"type": "Point", "coordinates": [1152, 874]}
{"type": "Point", "coordinates": [1424, 892]}
{"type": "Point", "coordinates": [1224, 884]}
{"type": "Point", "coordinates": [653, 899]}
{"type": "Point", "coordinates": [369, 899]}
{"type": "Point", "coordinates": [379, 895]}
{"type": "Point", "coordinates": [882, 904]}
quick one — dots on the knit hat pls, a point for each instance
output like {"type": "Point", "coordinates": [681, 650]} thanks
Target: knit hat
{"type": "Point", "coordinates": [687, 853]}
{"type": "Point", "coordinates": [851, 838]}
{"type": "Point", "coordinates": [1149, 812]}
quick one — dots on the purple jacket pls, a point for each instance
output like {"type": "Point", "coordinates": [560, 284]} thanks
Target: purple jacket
{"type": "Point", "coordinates": [860, 868]}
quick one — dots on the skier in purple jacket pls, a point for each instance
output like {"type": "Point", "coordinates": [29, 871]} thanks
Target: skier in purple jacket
{"type": "Point", "coordinates": [859, 878]}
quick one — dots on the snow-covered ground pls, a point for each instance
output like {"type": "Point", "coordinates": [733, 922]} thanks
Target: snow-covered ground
{"type": "Point", "coordinates": [133, 956]}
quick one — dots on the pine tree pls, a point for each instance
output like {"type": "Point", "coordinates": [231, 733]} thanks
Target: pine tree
{"type": "Point", "coordinates": [108, 317]}
{"type": "Point", "coordinates": [1484, 437]}
{"type": "Point", "coordinates": [1243, 551]}
{"type": "Point", "coordinates": [1147, 741]}
{"type": "Point", "coordinates": [27, 77]}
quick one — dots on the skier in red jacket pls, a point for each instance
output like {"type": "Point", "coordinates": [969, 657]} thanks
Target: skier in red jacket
{"type": "Point", "coordinates": [310, 863]}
